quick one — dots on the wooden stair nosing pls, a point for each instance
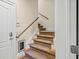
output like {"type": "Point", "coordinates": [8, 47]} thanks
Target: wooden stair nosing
{"type": "Point", "coordinates": [47, 33]}
{"type": "Point", "coordinates": [42, 29]}
{"type": "Point", "coordinates": [43, 41]}
{"type": "Point", "coordinates": [40, 25]}
{"type": "Point", "coordinates": [46, 36]}
{"type": "Point", "coordinates": [41, 49]}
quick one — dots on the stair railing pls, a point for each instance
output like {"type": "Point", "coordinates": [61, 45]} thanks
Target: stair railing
{"type": "Point", "coordinates": [27, 27]}
{"type": "Point", "coordinates": [43, 15]}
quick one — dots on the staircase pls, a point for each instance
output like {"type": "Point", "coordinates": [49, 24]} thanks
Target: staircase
{"type": "Point", "coordinates": [41, 48]}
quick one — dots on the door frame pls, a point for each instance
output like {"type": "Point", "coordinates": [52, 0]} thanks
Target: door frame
{"type": "Point", "coordinates": [77, 25]}
{"type": "Point", "coordinates": [62, 30]}
{"type": "Point", "coordinates": [68, 45]}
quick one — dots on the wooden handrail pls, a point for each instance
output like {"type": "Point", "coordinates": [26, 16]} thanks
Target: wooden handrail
{"type": "Point", "coordinates": [27, 28]}
{"type": "Point", "coordinates": [43, 15]}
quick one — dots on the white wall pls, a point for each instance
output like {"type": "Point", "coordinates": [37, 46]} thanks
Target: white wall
{"type": "Point", "coordinates": [46, 7]}
{"type": "Point", "coordinates": [61, 30]}
{"type": "Point", "coordinates": [26, 14]}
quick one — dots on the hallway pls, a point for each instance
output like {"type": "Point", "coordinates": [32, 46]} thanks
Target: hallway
{"type": "Point", "coordinates": [35, 29]}
{"type": "Point", "coordinates": [38, 29]}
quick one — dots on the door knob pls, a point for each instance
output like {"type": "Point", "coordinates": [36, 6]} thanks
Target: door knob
{"type": "Point", "coordinates": [11, 36]}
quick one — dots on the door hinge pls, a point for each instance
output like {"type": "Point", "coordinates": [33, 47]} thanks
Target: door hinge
{"type": "Point", "coordinates": [74, 49]}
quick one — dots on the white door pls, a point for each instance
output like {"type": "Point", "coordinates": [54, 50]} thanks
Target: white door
{"type": "Point", "coordinates": [7, 28]}
{"type": "Point", "coordinates": [9, 1]}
